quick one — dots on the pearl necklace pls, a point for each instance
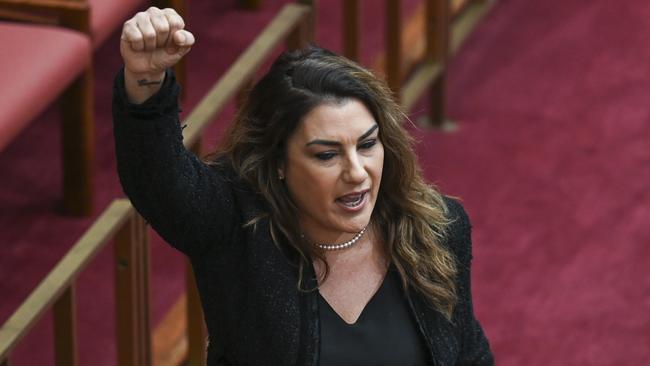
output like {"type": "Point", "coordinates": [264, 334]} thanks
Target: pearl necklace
{"type": "Point", "coordinates": [344, 245]}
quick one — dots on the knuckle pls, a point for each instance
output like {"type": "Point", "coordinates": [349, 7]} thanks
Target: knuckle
{"type": "Point", "coordinates": [174, 24]}
{"type": "Point", "coordinates": [162, 28]}
{"type": "Point", "coordinates": [149, 35]}
{"type": "Point", "coordinates": [170, 11]}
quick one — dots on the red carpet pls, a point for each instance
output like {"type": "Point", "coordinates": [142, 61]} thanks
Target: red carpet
{"type": "Point", "coordinates": [552, 159]}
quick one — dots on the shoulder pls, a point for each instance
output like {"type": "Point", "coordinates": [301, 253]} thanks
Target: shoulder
{"type": "Point", "coordinates": [457, 214]}
{"type": "Point", "coordinates": [459, 231]}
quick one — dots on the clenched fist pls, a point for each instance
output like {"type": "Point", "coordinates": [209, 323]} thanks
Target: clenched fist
{"type": "Point", "coordinates": [151, 42]}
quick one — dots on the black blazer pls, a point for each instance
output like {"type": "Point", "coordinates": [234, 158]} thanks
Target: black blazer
{"type": "Point", "coordinates": [254, 313]}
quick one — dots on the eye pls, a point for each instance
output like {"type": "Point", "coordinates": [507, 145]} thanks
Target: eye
{"type": "Point", "coordinates": [368, 144]}
{"type": "Point", "coordinates": [325, 155]}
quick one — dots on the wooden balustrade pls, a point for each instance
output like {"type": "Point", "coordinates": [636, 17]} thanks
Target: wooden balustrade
{"type": "Point", "coordinates": [131, 240]}
{"type": "Point", "coordinates": [293, 25]}
{"type": "Point", "coordinates": [446, 24]}
{"type": "Point", "coordinates": [56, 291]}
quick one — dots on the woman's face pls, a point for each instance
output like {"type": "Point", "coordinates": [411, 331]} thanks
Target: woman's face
{"type": "Point", "coordinates": [333, 170]}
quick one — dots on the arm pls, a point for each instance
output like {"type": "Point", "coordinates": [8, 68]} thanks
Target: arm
{"type": "Point", "coordinates": [188, 203]}
{"type": "Point", "coordinates": [474, 346]}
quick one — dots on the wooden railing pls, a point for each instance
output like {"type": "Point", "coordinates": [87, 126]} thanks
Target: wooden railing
{"type": "Point", "coordinates": [120, 223]}
{"type": "Point", "coordinates": [446, 25]}
{"type": "Point", "coordinates": [57, 291]}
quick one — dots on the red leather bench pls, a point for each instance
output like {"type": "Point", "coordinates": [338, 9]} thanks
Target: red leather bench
{"type": "Point", "coordinates": [37, 64]}
{"type": "Point", "coordinates": [40, 63]}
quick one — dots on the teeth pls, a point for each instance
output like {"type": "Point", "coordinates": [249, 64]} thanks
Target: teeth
{"type": "Point", "coordinates": [352, 201]}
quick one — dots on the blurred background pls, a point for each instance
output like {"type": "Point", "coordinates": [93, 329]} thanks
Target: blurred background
{"type": "Point", "coordinates": [534, 113]}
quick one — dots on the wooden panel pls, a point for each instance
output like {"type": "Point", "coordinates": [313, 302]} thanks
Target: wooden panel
{"type": "Point", "coordinates": [351, 29]}
{"type": "Point", "coordinates": [242, 70]}
{"type": "Point", "coordinates": [65, 335]}
{"type": "Point", "coordinates": [66, 271]}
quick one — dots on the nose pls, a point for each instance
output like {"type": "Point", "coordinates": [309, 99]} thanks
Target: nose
{"type": "Point", "coordinates": [354, 171]}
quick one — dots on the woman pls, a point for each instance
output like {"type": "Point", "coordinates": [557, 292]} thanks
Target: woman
{"type": "Point", "coordinates": [312, 234]}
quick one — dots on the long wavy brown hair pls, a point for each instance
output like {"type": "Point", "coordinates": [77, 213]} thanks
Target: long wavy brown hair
{"type": "Point", "coordinates": [410, 215]}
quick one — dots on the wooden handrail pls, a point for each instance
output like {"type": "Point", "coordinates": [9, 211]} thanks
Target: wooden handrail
{"type": "Point", "coordinates": [465, 22]}
{"type": "Point", "coordinates": [243, 70]}
{"type": "Point", "coordinates": [60, 279]}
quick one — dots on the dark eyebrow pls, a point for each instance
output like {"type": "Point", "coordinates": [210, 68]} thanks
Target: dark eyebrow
{"type": "Point", "coordinates": [336, 143]}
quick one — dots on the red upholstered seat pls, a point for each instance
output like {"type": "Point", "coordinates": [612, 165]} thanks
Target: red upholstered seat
{"type": "Point", "coordinates": [37, 63]}
{"type": "Point", "coordinates": [107, 16]}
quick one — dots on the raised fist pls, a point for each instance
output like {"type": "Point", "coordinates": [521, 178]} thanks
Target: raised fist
{"type": "Point", "coordinates": [154, 40]}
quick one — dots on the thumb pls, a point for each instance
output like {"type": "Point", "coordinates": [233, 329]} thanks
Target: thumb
{"type": "Point", "coordinates": [181, 42]}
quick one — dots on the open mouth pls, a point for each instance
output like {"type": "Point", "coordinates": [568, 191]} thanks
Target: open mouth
{"type": "Point", "coordinates": [353, 201]}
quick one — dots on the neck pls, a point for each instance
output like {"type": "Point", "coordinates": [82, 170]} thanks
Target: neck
{"type": "Point", "coordinates": [369, 249]}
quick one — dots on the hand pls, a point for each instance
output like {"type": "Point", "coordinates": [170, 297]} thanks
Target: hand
{"type": "Point", "coordinates": [153, 41]}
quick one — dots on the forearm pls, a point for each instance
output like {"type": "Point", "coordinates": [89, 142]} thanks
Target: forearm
{"type": "Point", "coordinates": [140, 87]}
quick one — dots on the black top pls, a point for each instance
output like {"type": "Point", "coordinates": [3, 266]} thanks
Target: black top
{"type": "Point", "coordinates": [254, 311]}
{"type": "Point", "coordinates": [385, 334]}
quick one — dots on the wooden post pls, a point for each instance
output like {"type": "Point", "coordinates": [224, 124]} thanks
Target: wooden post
{"type": "Point", "coordinates": [78, 126]}
{"type": "Point", "coordinates": [438, 28]}
{"type": "Point", "coordinates": [393, 47]}
{"type": "Point", "coordinates": [65, 335]}
{"type": "Point", "coordinates": [77, 144]}
{"type": "Point", "coordinates": [132, 294]}
{"type": "Point", "coordinates": [300, 36]}
{"type": "Point", "coordinates": [351, 29]}
{"type": "Point", "coordinates": [312, 21]}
